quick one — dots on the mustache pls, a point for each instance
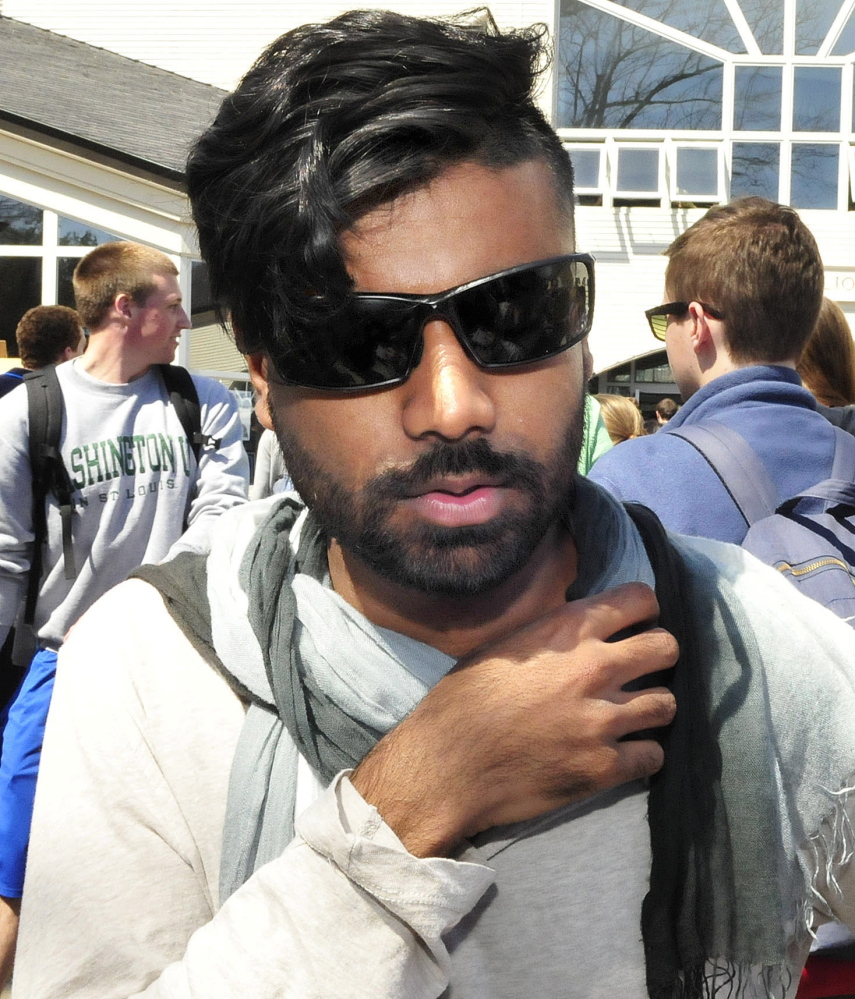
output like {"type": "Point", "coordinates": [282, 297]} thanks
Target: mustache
{"type": "Point", "coordinates": [468, 458]}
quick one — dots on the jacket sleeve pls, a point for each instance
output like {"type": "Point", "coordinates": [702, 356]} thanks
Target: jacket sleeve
{"type": "Point", "coordinates": [223, 471]}
{"type": "Point", "coordinates": [121, 891]}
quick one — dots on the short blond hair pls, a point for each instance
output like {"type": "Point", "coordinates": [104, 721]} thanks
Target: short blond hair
{"type": "Point", "coordinates": [114, 269]}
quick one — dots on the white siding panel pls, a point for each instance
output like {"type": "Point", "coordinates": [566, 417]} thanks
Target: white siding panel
{"type": "Point", "coordinates": [216, 41]}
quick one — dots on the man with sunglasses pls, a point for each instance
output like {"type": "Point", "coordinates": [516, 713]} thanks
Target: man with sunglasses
{"type": "Point", "coordinates": [743, 287]}
{"type": "Point", "coordinates": [283, 788]}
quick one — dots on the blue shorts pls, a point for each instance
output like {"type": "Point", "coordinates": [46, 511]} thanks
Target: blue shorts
{"type": "Point", "coordinates": [22, 729]}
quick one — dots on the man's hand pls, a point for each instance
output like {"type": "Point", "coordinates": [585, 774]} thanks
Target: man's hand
{"type": "Point", "coordinates": [529, 723]}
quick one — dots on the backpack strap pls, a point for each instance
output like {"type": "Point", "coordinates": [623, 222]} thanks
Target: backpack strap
{"type": "Point", "coordinates": [733, 460]}
{"type": "Point", "coordinates": [49, 474]}
{"type": "Point", "coordinates": [185, 399]}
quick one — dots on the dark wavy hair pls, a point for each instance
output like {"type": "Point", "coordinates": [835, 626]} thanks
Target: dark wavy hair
{"type": "Point", "coordinates": [336, 119]}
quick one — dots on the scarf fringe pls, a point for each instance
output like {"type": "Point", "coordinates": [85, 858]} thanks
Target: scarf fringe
{"type": "Point", "coordinates": [835, 842]}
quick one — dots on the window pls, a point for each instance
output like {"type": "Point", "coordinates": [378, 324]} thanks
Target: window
{"type": "Point", "coordinates": [38, 252]}
{"type": "Point", "coordinates": [700, 76]}
{"type": "Point", "coordinates": [697, 173]}
{"type": "Point", "coordinates": [755, 169]}
{"type": "Point", "coordinates": [637, 171]}
{"type": "Point", "coordinates": [613, 74]}
{"type": "Point", "coordinates": [757, 98]}
{"type": "Point", "coordinates": [816, 99]}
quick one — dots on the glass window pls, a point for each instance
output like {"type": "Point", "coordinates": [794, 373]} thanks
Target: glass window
{"type": "Point", "coordinates": [846, 42]}
{"type": "Point", "coordinates": [813, 21]}
{"type": "Point", "coordinates": [586, 167]}
{"type": "Point", "coordinates": [814, 176]}
{"type": "Point", "coordinates": [638, 170]}
{"type": "Point", "coordinates": [654, 368]}
{"type": "Point", "coordinates": [201, 299]}
{"type": "Point", "coordinates": [755, 169]}
{"type": "Point", "coordinates": [816, 99]}
{"type": "Point", "coordinates": [706, 19]}
{"type": "Point", "coordinates": [613, 74]}
{"type": "Point", "coordinates": [622, 373]}
{"type": "Point", "coordinates": [20, 224]}
{"type": "Point", "coordinates": [73, 233]}
{"type": "Point", "coordinates": [20, 289]}
{"type": "Point", "coordinates": [64, 288]}
{"type": "Point", "coordinates": [766, 20]}
{"type": "Point", "coordinates": [757, 98]}
{"type": "Point", "coordinates": [697, 171]}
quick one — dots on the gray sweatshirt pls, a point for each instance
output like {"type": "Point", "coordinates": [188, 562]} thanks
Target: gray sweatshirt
{"type": "Point", "coordinates": [136, 478]}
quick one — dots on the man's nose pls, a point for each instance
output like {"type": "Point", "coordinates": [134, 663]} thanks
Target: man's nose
{"type": "Point", "coordinates": [184, 321]}
{"type": "Point", "coordinates": [448, 395]}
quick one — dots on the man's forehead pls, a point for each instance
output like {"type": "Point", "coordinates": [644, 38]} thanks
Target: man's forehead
{"type": "Point", "coordinates": [470, 221]}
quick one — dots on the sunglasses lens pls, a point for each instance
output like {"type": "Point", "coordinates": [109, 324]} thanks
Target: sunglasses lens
{"type": "Point", "coordinates": [526, 316]}
{"type": "Point", "coordinates": [660, 326]}
{"type": "Point", "coordinates": [370, 342]}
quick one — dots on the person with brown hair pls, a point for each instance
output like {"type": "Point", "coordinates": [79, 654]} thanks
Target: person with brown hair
{"type": "Point", "coordinates": [137, 488]}
{"type": "Point", "coordinates": [743, 290]}
{"type": "Point", "coordinates": [46, 334]}
{"type": "Point", "coordinates": [827, 364]}
{"type": "Point", "coordinates": [621, 416]}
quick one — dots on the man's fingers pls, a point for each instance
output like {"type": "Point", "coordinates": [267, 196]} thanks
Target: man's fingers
{"type": "Point", "coordinates": [640, 759]}
{"type": "Point", "coordinates": [654, 708]}
{"type": "Point", "coordinates": [615, 610]}
{"type": "Point", "coordinates": [639, 655]}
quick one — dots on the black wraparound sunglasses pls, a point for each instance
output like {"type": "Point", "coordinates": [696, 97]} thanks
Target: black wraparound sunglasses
{"type": "Point", "coordinates": [524, 314]}
{"type": "Point", "coordinates": [658, 317]}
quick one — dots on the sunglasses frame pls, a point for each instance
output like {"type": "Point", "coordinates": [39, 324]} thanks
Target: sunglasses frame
{"type": "Point", "coordinates": [434, 304]}
{"type": "Point", "coordinates": [674, 309]}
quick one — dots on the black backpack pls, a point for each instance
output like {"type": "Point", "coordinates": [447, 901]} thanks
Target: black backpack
{"type": "Point", "coordinates": [808, 538]}
{"type": "Point", "coordinates": [50, 476]}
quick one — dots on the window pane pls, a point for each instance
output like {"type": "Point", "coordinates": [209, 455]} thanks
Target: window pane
{"type": "Point", "coordinates": [813, 20]}
{"type": "Point", "coordinates": [766, 20]}
{"type": "Point", "coordinates": [697, 171]}
{"type": "Point", "coordinates": [201, 299]}
{"type": "Point", "coordinates": [846, 42]}
{"type": "Point", "coordinates": [613, 74]}
{"type": "Point", "coordinates": [20, 289]}
{"type": "Point", "coordinates": [757, 99]}
{"type": "Point", "coordinates": [756, 166]}
{"type": "Point", "coordinates": [638, 170]}
{"type": "Point", "coordinates": [816, 99]}
{"type": "Point", "coordinates": [64, 288]}
{"type": "Point", "coordinates": [814, 179]}
{"type": "Point", "coordinates": [20, 224]}
{"type": "Point", "coordinates": [706, 19]}
{"type": "Point", "coordinates": [586, 167]}
{"type": "Point", "coordinates": [73, 233]}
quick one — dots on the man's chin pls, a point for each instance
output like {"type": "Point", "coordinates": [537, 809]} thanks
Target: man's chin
{"type": "Point", "coordinates": [452, 562]}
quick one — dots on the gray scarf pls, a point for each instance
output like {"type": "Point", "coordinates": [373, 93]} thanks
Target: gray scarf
{"type": "Point", "coordinates": [322, 682]}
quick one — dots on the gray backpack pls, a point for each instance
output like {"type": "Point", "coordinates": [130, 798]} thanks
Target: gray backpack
{"type": "Point", "coordinates": [808, 538]}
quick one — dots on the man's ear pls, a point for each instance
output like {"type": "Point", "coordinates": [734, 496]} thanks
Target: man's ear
{"type": "Point", "coordinates": [257, 364]}
{"type": "Point", "coordinates": [701, 335]}
{"type": "Point", "coordinates": [123, 303]}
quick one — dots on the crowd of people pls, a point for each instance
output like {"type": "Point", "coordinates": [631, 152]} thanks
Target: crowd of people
{"type": "Point", "coordinates": [456, 715]}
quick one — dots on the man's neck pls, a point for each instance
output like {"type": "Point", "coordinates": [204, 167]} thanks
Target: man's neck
{"type": "Point", "coordinates": [458, 624]}
{"type": "Point", "coordinates": [108, 359]}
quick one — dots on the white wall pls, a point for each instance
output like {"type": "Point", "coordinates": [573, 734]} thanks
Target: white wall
{"type": "Point", "coordinates": [216, 41]}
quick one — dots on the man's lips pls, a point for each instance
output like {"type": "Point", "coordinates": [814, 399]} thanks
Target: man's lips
{"type": "Point", "coordinates": [460, 502]}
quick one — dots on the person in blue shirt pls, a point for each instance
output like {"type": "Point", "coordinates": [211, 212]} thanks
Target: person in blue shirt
{"type": "Point", "coordinates": [743, 289]}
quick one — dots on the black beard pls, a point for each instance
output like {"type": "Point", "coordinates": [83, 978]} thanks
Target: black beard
{"type": "Point", "coordinates": [446, 561]}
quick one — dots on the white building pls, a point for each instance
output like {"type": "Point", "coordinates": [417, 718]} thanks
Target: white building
{"type": "Point", "coordinates": [667, 105]}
